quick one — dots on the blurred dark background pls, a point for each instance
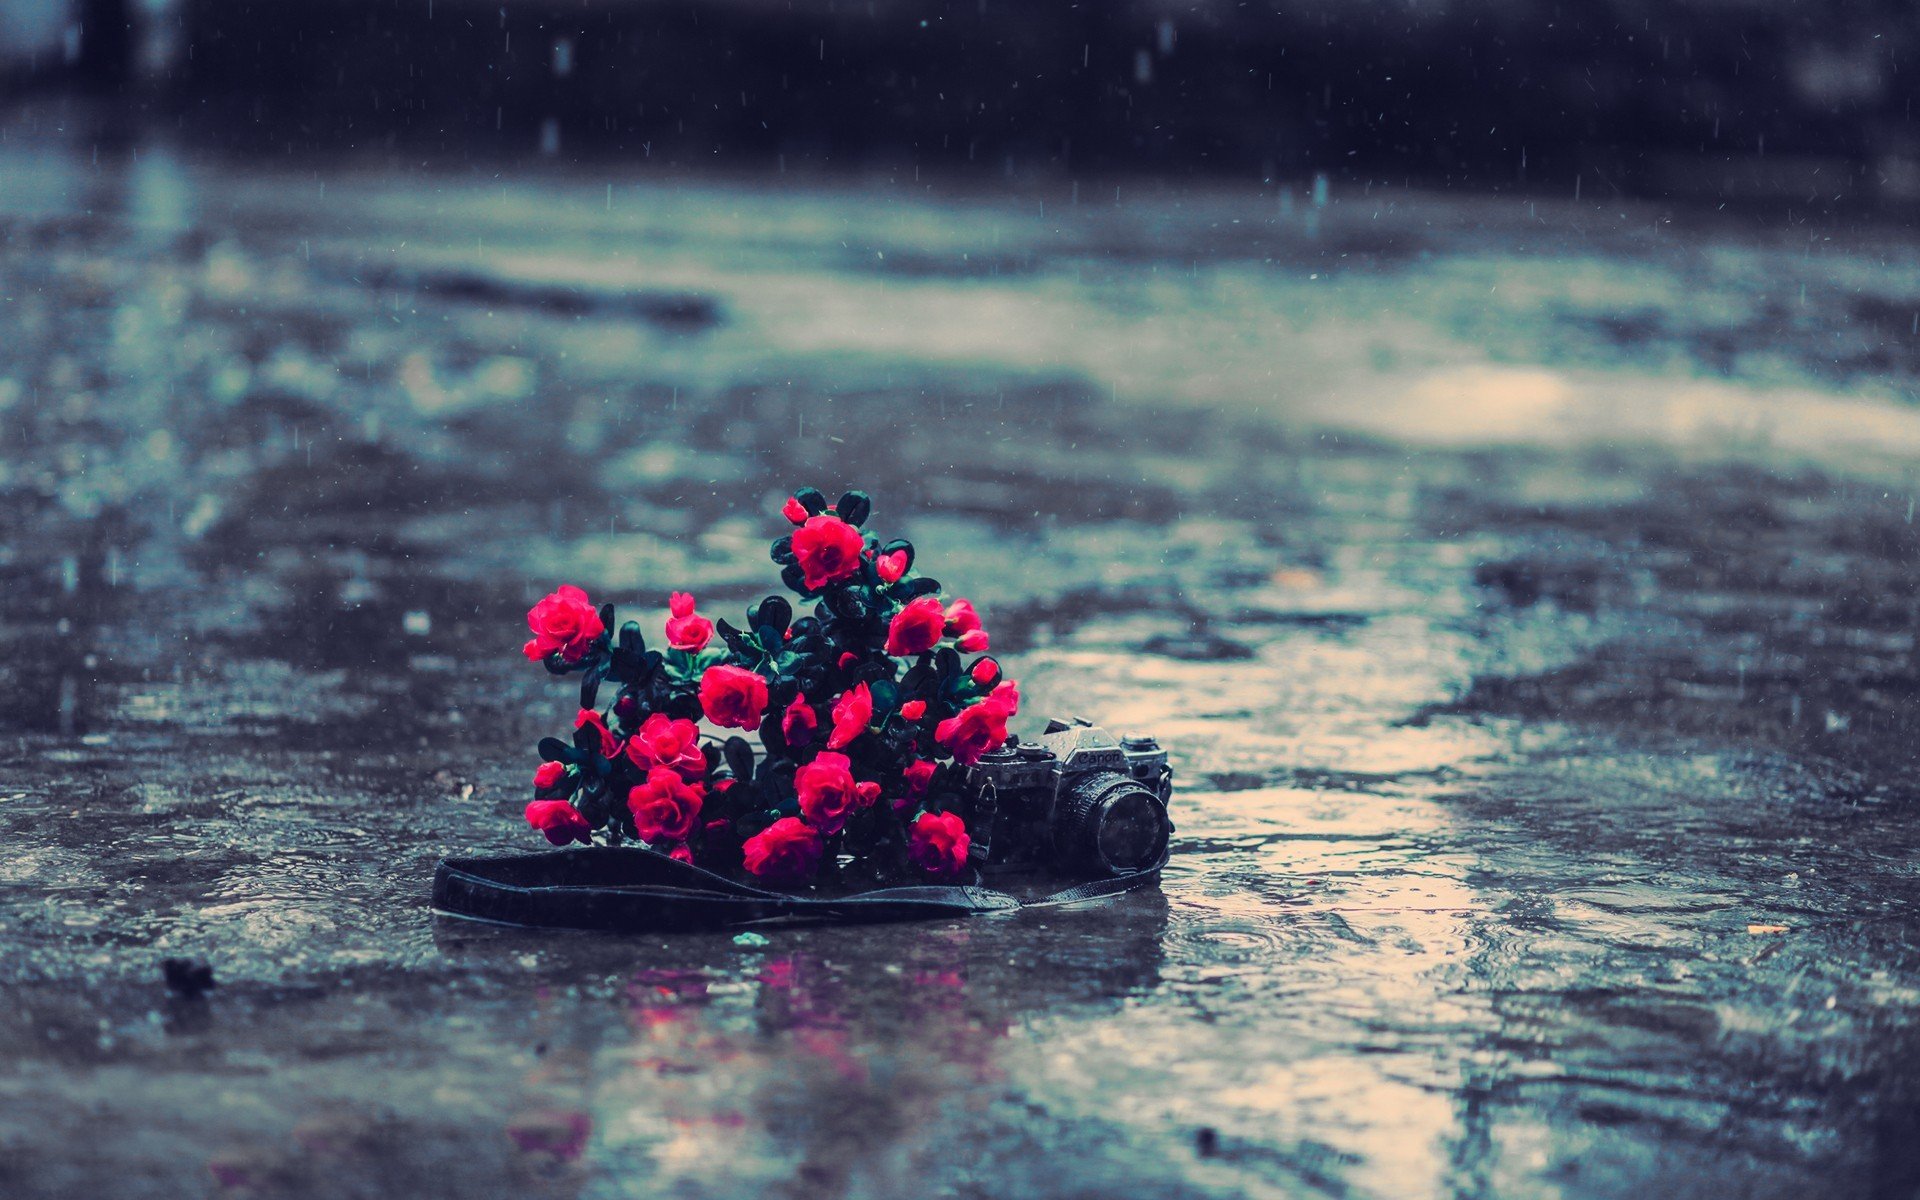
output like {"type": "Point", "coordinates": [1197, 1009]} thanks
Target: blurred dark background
{"type": "Point", "coordinates": [1801, 102]}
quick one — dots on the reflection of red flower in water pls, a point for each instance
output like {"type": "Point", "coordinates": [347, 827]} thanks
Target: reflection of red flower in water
{"type": "Point", "coordinates": [559, 1134]}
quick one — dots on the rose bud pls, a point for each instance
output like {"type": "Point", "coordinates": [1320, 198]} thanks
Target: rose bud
{"type": "Point", "coordinates": [913, 710]}
{"type": "Point", "coordinates": [799, 722]}
{"type": "Point", "coordinates": [973, 731]}
{"type": "Point", "coordinates": [847, 659]}
{"type": "Point", "coordinates": [938, 845]}
{"type": "Point", "coordinates": [851, 716]}
{"type": "Point", "coordinates": [826, 790]}
{"type": "Point", "coordinates": [985, 673]}
{"type": "Point", "coordinates": [865, 794]}
{"type": "Point", "coordinates": [564, 623]}
{"type": "Point", "coordinates": [733, 697]}
{"type": "Point", "coordinates": [916, 628]}
{"type": "Point", "coordinates": [665, 807]}
{"type": "Point", "coordinates": [662, 741]}
{"type": "Point", "coordinates": [828, 550]}
{"type": "Point", "coordinates": [609, 744]}
{"type": "Point", "coordinates": [548, 778]}
{"type": "Point", "coordinates": [973, 641]}
{"type": "Point", "coordinates": [560, 821]}
{"type": "Point", "coordinates": [786, 851]}
{"type": "Point", "coordinates": [681, 853]}
{"type": "Point", "coordinates": [794, 511]}
{"type": "Point", "coordinates": [890, 567]}
{"type": "Point", "coordinates": [686, 629]}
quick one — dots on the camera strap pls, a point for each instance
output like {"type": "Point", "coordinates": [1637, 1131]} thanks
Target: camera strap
{"type": "Point", "coordinates": [639, 891]}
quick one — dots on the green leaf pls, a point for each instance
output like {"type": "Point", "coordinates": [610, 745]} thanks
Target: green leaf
{"type": "Point", "coordinates": [854, 507]}
{"type": "Point", "coordinates": [774, 611]}
{"type": "Point", "coordinates": [812, 499]}
{"type": "Point", "coordinates": [739, 756]}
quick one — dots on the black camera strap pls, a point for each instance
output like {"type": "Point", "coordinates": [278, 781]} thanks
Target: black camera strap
{"type": "Point", "coordinates": [639, 891]}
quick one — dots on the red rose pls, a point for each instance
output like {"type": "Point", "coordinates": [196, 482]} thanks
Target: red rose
{"type": "Point", "coordinates": [919, 774]}
{"type": "Point", "coordinates": [794, 511]}
{"type": "Point", "coordinates": [890, 567]}
{"type": "Point", "coordinates": [560, 821]}
{"type": "Point", "coordinates": [913, 710]}
{"type": "Point", "coordinates": [961, 617]}
{"type": "Point", "coordinates": [1007, 695]}
{"type": "Point", "coordinates": [686, 629]}
{"type": "Point", "coordinates": [664, 742]}
{"type": "Point", "coordinates": [938, 845]}
{"type": "Point", "coordinates": [548, 778]}
{"type": "Point", "coordinates": [786, 851]}
{"type": "Point", "coordinates": [800, 721]}
{"type": "Point", "coordinates": [866, 795]}
{"type": "Point", "coordinates": [681, 853]}
{"type": "Point", "coordinates": [973, 731]}
{"type": "Point", "coordinates": [733, 697]}
{"type": "Point", "coordinates": [565, 622]}
{"type": "Point", "coordinates": [916, 628]}
{"type": "Point", "coordinates": [985, 673]}
{"type": "Point", "coordinates": [852, 713]}
{"type": "Point", "coordinates": [609, 744]}
{"type": "Point", "coordinates": [664, 807]}
{"type": "Point", "coordinates": [828, 550]}
{"type": "Point", "coordinates": [826, 790]}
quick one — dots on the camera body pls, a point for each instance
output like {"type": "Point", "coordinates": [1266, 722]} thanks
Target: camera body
{"type": "Point", "coordinates": [1077, 800]}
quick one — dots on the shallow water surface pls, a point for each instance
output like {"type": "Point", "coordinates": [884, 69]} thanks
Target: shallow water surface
{"type": "Point", "coordinates": [1526, 596]}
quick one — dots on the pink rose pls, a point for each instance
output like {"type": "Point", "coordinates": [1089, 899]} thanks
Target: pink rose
{"type": "Point", "coordinates": [973, 731]}
{"type": "Point", "coordinates": [733, 697]}
{"type": "Point", "coordinates": [786, 851]}
{"type": "Point", "coordinates": [851, 716]}
{"type": "Point", "coordinates": [890, 567]}
{"type": "Point", "coordinates": [913, 710]}
{"type": "Point", "coordinates": [826, 790]}
{"type": "Point", "coordinates": [985, 673]}
{"type": "Point", "coordinates": [560, 821]}
{"type": "Point", "coordinates": [686, 629]}
{"type": "Point", "coordinates": [548, 777]}
{"type": "Point", "coordinates": [799, 722]}
{"type": "Point", "coordinates": [916, 628]}
{"type": "Point", "coordinates": [828, 550]}
{"type": "Point", "coordinates": [609, 744]}
{"type": "Point", "coordinates": [665, 807]}
{"type": "Point", "coordinates": [918, 774]}
{"type": "Point", "coordinates": [938, 845]}
{"type": "Point", "coordinates": [662, 741]}
{"type": "Point", "coordinates": [564, 622]}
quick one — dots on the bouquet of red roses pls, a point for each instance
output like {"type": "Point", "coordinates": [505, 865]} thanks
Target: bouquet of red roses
{"type": "Point", "coordinates": [867, 712]}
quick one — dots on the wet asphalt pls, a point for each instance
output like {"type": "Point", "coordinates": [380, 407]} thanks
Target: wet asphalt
{"type": "Point", "coordinates": [1526, 592]}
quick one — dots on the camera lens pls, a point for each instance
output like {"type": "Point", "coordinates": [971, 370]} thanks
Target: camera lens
{"type": "Point", "coordinates": [1108, 824]}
